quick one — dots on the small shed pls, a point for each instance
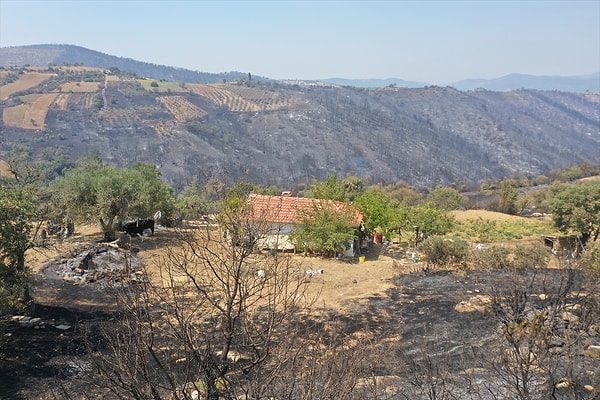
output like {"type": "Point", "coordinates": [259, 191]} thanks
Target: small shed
{"type": "Point", "coordinates": [564, 245]}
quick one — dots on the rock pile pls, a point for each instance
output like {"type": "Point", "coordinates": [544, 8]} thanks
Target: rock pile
{"type": "Point", "coordinates": [38, 323]}
{"type": "Point", "coordinates": [98, 264]}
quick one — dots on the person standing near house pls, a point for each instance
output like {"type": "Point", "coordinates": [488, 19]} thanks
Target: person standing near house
{"type": "Point", "coordinates": [378, 239]}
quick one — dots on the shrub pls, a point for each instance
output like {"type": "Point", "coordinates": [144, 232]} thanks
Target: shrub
{"type": "Point", "coordinates": [484, 229]}
{"type": "Point", "coordinates": [496, 257]}
{"type": "Point", "coordinates": [590, 258]}
{"type": "Point", "coordinates": [445, 252]}
{"type": "Point", "coordinates": [535, 256]}
{"type": "Point", "coordinates": [490, 258]}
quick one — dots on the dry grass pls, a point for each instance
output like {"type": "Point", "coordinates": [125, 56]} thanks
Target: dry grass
{"type": "Point", "coordinates": [25, 81]}
{"type": "Point", "coordinates": [82, 87]}
{"type": "Point", "coordinates": [36, 257]}
{"type": "Point", "coordinates": [32, 113]}
{"type": "Point", "coordinates": [62, 101]}
{"type": "Point", "coordinates": [341, 285]}
{"type": "Point", "coordinates": [163, 86]}
{"type": "Point", "coordinates": [5, 169]}
{"type": "Point", "coordinates": [468, 215]}
{"type": "Point", "coordinates": [497, 228]}
{"type": "Point", "coordinates": [591, 178]}
{"type": "Point", "coordinates": [78, 68]}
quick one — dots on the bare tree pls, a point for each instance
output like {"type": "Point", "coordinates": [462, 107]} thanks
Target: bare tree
{"type": "Point", "coordinates": [544, 318]}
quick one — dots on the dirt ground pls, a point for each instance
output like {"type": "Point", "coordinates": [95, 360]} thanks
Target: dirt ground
{"type": "Point", "coordinates": [388, 295]}
{"type": "Point", "coordinates": [341, 281]}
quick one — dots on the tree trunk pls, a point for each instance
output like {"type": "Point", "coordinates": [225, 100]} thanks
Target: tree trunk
{"type": "Point", "coordinates": [21, 267]}
{"type": "Point", "coordinates": [108, 229]}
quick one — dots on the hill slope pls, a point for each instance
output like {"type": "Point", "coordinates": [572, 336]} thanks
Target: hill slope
{"type": "Point", "coordinates": [59, 54]}
{"type": "Point", "coordinates": [272, 133]}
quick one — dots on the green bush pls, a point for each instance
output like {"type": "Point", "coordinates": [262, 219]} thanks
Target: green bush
{"type": "Point", "coordinates": [484, 230]}
{"type": "Point", "coordinates": [590, 258]}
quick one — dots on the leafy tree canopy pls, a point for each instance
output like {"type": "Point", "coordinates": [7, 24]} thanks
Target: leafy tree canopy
{"type": "Point", "coordinates": [446, 198]}
{"type": "Point", "coordinates": [509, 190]}
{"type": "Point", "coordinates": [331, 189]}
{"type": "Point", "coordinates": [353, 187]}
{"type": "Point", "coordinates": [50, 164]}
{"type": "Point", "coordinates": [16, 208]}
{"type": "Point", "coordinates": [429, 219]}
{"type": "Point", "coordinates": [107, 194]}
{"type": "Point", "coordinates": [576, 208]}
{"type": "Point", "coordinates": [324, 230]}
{"type": "Point", "coordinates": [377, 212]}
{"type": "Point", "coordinates": [400, 192]}
{"type": "Point", "coordinates": [192, 202]}
{"type": "Point", "coordinates": [243, 189]}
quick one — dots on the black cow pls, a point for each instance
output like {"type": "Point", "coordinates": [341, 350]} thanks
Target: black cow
{"type": "Point", "coordinates": [135, 228]}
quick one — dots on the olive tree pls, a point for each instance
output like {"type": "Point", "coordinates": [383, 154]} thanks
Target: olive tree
{"type": "Point", "coordinates": [376, 208]}
{"type": "Point", "coordinates": [422, 221]}
{"type": "Point", "coordinates": [331, 189]}
{"type": "Point", "coordinates": [16, 209]}
{"type": "Point", "coordinates": [576, 208]}
{"type": "Point", "coordinates": [446, 198]}
{"type": "Point", "coordinates": [107, 194]}
{"type": "Point", "coordinates": [324, 229]}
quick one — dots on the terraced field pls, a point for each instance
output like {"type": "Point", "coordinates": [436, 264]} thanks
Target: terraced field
{"type": "Point", "coordinates": [264, 98]}
{"type": "Point", "coordinates": [32, 113]}
{"type": "Point", "coordinates": [162, 86]}
{"type": "Point", "coordinates": [181, 108]}
{"type": "Point", "coordinates": [80, 87]}
{"type": "Point", "coordinates": [25, 81]}
{"type": "Point", "coordinates": [239, 98]}
{"type": "Point", "coordinates": [61, 102]}
{"type": "Point", "coordinates": [119, 118]}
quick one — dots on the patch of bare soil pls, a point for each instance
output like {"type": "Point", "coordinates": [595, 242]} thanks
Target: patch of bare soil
{"type": "Point", "coordinates": [5, 170]}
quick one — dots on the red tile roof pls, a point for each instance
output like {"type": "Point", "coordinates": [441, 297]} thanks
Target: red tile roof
{"type": "Point", "coordinates": [288, 209]}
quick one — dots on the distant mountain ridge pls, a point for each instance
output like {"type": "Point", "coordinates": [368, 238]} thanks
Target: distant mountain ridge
{"type": "Point", "coordinates": [578, 84]}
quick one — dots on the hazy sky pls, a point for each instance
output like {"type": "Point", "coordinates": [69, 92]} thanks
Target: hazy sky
{"type": "Point", "coordinates": [437, 42]}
